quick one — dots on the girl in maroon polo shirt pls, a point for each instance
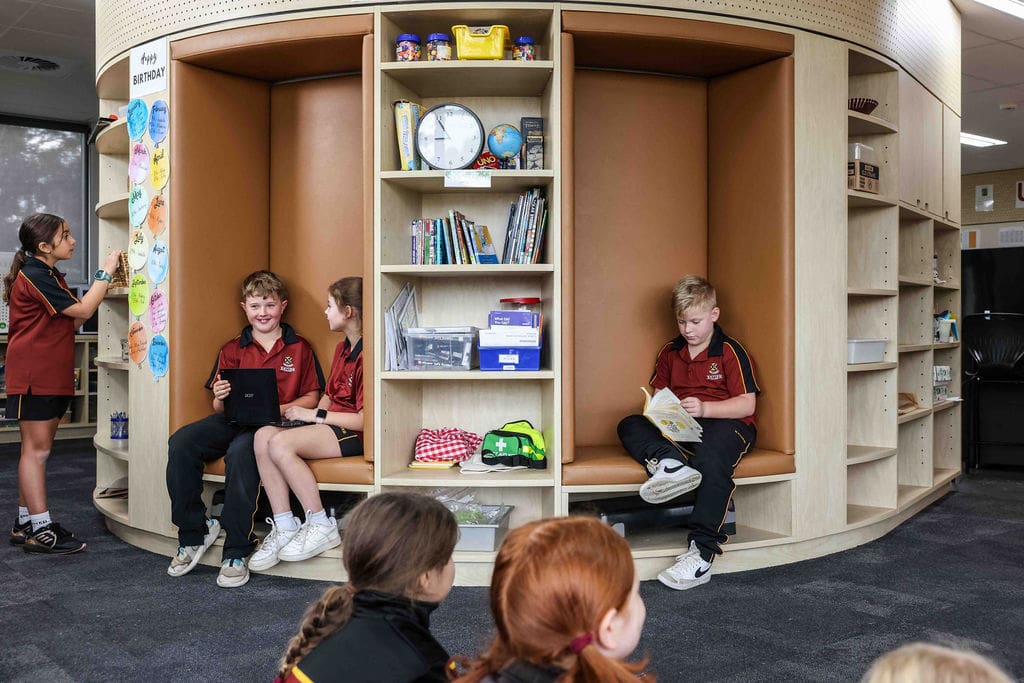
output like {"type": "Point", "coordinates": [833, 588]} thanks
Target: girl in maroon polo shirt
{"type": "Point", "coordinates": [336, 429]}
{"type": "Point", "coordinates": [44, 315]}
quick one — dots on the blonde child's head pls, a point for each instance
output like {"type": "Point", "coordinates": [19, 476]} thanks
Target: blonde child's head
{"type": "Point", "coordinates": [398, 543]}
{"type": "Point", "coordinates": [927, 663]}
{"type": "Point", "coordinates": [693, 293]}
{"type": "Point", "coordinates": [564, 593]}
{"type": "Point", "coordinates": [264, 284]}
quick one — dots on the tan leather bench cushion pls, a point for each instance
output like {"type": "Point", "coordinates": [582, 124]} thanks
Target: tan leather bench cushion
{"type": "Point", "coordinates": [599, 465]}
{"type": "Point", "coordinates": [351, 470]}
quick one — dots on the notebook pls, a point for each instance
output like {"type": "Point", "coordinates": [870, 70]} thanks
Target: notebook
{"type": "Point", "coordinates": [253, 400]}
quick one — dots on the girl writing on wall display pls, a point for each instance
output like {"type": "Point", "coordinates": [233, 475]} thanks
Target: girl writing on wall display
{"type": "Point", "coordinates": [40, 371]}
{"type": "Point", "coordinates": [335, 429]}
{"type": "Point", "coordinates": [565, 599]}
{"type": "Point", "coordinates": [398, 557]}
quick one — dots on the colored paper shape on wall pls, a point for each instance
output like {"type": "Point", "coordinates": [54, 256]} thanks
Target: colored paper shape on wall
{"type": "Point", "coordinates": [138, 163]}
{"type": "Point", "coordinates": [138, 115]}
{"type": "Point", "coordinates": [157, 215]}
{"type": "Point", "coordinates": [158, 356]}
{"type": "Point", "coordinates": [138, 249]}
{"type": "Point", "coordinates": [138, 205]}
{"type": "Point", "coordinates": [138, 295]}
{"type": "Point", "coordinates": [158, 121]}
{"type": "Point", "coordinates": [157, 265]}
{"type": "Point", "coordinates": [138, 342]}
{"type": "Point", "coordinates": [159, 168]}
{"type": "Point", "coordinates": [983, 199]}
{"type": "Point", "coordinates": [1018, 197]}
{"type": "Point", "coordinates": [157, 311]}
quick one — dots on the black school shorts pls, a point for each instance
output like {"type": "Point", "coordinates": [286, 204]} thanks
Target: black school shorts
{"type": "Point", "coordinates": [349, 442]}
{"type": "Point", "coordinates": [29, 407]}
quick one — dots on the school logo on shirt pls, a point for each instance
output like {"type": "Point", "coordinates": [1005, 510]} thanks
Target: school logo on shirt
{"type": "Point", "coordinates": [714, 373]}
{"type": "Point", "coordinates": [288, 365]}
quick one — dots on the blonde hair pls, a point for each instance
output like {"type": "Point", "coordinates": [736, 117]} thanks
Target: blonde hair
{"type": "Point", "coordinates": [553, 581]}
{"type": "Point", "coordinates": [264, 283]}
{"type": "Point", "coordinates": [693, 292]}
{"type": "Point", "coordinates": [390, 540]}
{"type": "Point", "coordinates": [927, 663]}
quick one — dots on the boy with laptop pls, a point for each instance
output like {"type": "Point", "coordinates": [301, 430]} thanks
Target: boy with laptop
{"type": "Point", "coordinates": [265, 342]}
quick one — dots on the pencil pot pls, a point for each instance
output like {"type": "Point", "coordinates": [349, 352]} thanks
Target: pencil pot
{"type": "Point", "coordinates": [118, 426]}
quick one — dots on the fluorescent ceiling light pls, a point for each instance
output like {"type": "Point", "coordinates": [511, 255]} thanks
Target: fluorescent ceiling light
{"type": "Point", "coordinates": [1014, 7]}
{"type": "Point", "coordinates": [979, 140]}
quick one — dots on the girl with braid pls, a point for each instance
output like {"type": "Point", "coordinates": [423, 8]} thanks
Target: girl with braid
{"type": "Point", "coordinates": [397, 551]}
{"type": "Point", "coordinates": [565, 599]}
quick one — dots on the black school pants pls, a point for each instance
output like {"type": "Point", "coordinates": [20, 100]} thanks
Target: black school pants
{"type": "Point", "coordinates": [715, 457]}
{"type": "Point", "coordinates": [188, 450]}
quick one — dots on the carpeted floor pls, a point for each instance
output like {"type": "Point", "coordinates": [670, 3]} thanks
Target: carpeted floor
{"type": "Point", "coordinates": [953, 574]}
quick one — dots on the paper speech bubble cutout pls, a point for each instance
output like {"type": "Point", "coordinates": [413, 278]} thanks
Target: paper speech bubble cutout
{"type": "Point", "coordinates": [157, 216]}
{"type": "Point", "coordinates": [138, 295]}
{"type": "Point", "coordinates": [138, 249]}
{"type": "Point", "coordinates": [157, 311]}
{"type": "Point", "coordinates": [138, 163]}
{"type": "Point", "coordinates": [138, 342]}
{"type": "Point", "coordinates": [138, 205]}
{"type": "Point", "coordinates": [157, 264]}
{"type": "Point", "coordinates": [138, 114]}
{"type": "Point", "coordinates": [158, 121]}
{"type": "Point", "coordinates": [158, 356]}
{"type": "Point", "coordinates": [159, 168]}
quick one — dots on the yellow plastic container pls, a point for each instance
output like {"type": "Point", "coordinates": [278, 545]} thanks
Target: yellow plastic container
{"type": "Point", "coordinates": [475, 44]}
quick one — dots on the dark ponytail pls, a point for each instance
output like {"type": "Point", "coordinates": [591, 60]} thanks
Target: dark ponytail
{"type": "Point", "coordinates": [37, 228]}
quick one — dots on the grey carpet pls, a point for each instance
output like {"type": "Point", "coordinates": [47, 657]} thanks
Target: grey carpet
{"type": "Point", "coordinates": [953, 574]}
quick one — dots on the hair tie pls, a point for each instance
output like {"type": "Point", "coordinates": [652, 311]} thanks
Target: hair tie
{"type": "Point", "coordinates": [580, 642]}
{"type": "Point", "coordinates": [350, 589]}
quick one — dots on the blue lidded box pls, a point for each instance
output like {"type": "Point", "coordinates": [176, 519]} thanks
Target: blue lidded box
{"type": "Point", "coordinates": [510, 358]}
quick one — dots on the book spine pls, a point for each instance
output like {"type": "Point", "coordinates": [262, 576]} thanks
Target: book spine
{"type": "Point", "coordinates": [540, 237]}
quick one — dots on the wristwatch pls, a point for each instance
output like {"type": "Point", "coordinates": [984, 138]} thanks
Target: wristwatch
{"type": "Point", "coordinates": [102, 275]}
{"type": "Point", "coordinates": [321, 415]}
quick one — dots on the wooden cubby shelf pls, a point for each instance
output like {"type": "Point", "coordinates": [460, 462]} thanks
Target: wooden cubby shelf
{"type": "Point", "coordinates": [115, 448]}
{"type": "Point", "coordinates": [913, 415]}
{"type": "Point", "coordinates": [453, 477]}
{"type": "Point", "coordinates": [870, 367]}
{"type": "Point", "coordinates": [468, 78]}
{"type": "Point", "coordinates": [114, 138]}
{"type": "Point", "coordinates": [117, 293]}
{"type": "Point", "coordinates": [111, 363]}
{"type": "Point", "coordinates": [854, 291]}
{"type": "Point", "coordinates": [866, 124]}
{"type": "Point", "coordinates": [466, 375]}
{"type": "Point", "coordinates": [461, 270]}
{"type": "Point", "coordinates": [500, 180]}
{"type": "Point", "coordinates": [858, 199]}
{"type": "Point", "coordinates": [859, 454]}
{"type": "Point", "coordinates": [907, 495]}
{"type": "Point", "coordinates": [115, 207]}
{"type": "Point", "coordinates": [115, 508]}
{"type": "Point", "coordinates": [860, 515]}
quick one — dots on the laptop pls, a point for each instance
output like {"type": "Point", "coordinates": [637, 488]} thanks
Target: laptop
{"type": "Point", "coordinates": [253, 401]}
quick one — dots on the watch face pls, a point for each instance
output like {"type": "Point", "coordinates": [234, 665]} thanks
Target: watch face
{"type": "Point", "coordinates": [449, 136]}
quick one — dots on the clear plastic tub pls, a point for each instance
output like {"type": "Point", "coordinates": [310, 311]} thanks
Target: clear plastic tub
{"type": "Point", "coordinates": [865, 350]}
{"type": "Point", "coordinates": [441, 348]}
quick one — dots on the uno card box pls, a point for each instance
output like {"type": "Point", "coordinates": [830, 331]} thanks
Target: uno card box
{"type": "Point", "coordinates": [862, 176]}
{"type": "Point", "coordinates": [510, 358]}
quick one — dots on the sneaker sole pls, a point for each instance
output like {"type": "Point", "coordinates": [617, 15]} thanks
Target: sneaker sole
{"type": "Point", "coordinates": [662, 491]}
{"type": "Point", "coordinates": [668, 581]}
{"type": "Point", "coordinates": [18, 540]}
{"type": "Point", "coordinates": [43, 550]}
{"type": "Point", "coordinates": [232, 583]}
{"type": "Point", "coordinates": [198, 556]}
{"type": "Point", "coordinates": [311, 553]}
{"type": "Point", "coordinates": [259, 566]}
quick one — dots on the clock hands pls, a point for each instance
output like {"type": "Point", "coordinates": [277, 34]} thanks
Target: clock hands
{"type": "Point", "coordinates": [445, 132]}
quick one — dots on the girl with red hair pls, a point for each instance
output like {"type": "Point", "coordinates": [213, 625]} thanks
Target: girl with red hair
{"type": "Point", "coordinates": [565, 598]}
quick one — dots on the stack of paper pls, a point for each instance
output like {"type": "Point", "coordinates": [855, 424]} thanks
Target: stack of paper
{"type": "Point", "coordinates": [399, 317]}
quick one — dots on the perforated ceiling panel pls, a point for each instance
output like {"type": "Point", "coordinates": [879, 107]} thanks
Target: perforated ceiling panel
{"type": "Point", "coordinates": [923, 36]}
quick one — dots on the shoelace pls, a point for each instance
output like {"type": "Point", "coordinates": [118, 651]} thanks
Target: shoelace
{"type": "Point", "coordinates": [687, 564]}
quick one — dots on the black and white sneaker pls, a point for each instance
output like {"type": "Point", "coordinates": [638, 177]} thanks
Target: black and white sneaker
{"type": "Point", "coordinates": [689, 571]}
{"type": "Point", "coordinates": [20, 533]}
{"type": "Point", "coordinates": [53, 539]}
{"type": "Point", "coordinates": [671, 479]}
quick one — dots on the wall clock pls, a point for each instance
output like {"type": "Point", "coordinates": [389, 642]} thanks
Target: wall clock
{"type": "Point", "coordinates": [449, 136]}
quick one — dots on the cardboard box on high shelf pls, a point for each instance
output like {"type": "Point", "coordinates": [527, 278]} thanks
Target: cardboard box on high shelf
{"type": "Point", "coordinates": [862, 176]}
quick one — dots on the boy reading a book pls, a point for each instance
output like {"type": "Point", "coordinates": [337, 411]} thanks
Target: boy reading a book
{"type": "Point", "coordinates": [713, 377]}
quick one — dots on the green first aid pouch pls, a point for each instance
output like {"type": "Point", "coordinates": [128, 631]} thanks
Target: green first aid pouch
{"type": "Point", "coordinates": [515, 444]}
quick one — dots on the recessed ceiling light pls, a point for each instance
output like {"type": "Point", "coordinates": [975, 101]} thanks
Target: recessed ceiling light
{"type": "Point", "coordinates": [1014, 7]}
{"type": "Point", "coordinates": [979, 140]}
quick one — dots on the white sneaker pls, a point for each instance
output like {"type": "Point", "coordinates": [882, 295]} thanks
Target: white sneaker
{"type": "Point", "coordinates": [671, 479]}
{"type": "Point", "coordinates": [233, 573]}
{"type": "Point", "coordinates": [689, 571]}
{"type": "Point", "coordinates": [311, 540]}
{"type": "Point", "coordinates": [267, 555]}
{"type": "Point", "coordinates": [189, 555]}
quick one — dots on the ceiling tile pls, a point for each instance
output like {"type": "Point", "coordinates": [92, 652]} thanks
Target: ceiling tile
{"type": "Point", "coordinates": [82, 5]}
{"type": "Point", "coordinates": [971, 84]}
{"type": "Point", "coordinates": [970, 39]}
{"type": "Point", "coordinates": [991, 23]}
{"type": "Point", "coordinates": [46, 45]}
{"type": "Point", "coordinates": [11, 11]}
{"type": "Point", "coordinates": [64, 22]}
{"type": "Point", "coordinates": [1000, 63]}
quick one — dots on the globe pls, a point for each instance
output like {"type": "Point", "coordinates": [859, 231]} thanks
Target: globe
{"type": "Point", "coordinates": [504, 141]}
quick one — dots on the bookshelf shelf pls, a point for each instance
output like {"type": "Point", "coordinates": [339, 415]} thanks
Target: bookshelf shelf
{"type": "Point", "coordinates": [115, 508]}
{"type": "Point", "coordinates": [469, 78]}
{"type": "Point", "coordinates": [111, 363]}
{"type": "Point", "coordinates": [865, 124]}
{"type": "Point", "coordinates": [862, 515]}
{"type": "Point", "coordinates": [911, 348]}
{"type": "Point", "coordinates": [870, 367]}
{"type": "Point", "coordinates": [454, 477]}
{"type": "Point", "coordinates": [115, 448]}
{"type": "Point", "coordinates": [465, 375]}
{"type": "Point", "coordinates": [863, 291]}
{"type": "Point", "coordinates": [858, 454]}
{"type": "Point", "coordinates": [914, 280]}
{"type": "Point", "coordinates": [114, 138]}
{"type": "Point", "coordinates": [500, 180]}
{"type": "Point", "coordinates": [858, 199]}
{"type": "Point", "coordinates": [471, 270]}
{"type": "Point", "coordinates": [913, 415]}
{"type": "Point", "coordinates": [115, 207]}
{"type": "Point", "coordinates": [117, 293]}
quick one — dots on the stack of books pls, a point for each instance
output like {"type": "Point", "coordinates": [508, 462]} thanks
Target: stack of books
{"type": "Point", "coordinates": [524, 234]}
{"type": "Point", "coordinates": [451, 239]}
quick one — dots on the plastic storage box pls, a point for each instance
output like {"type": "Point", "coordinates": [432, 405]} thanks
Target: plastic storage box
{"type": "Point", "coordinates": [510, 358]}
{"type": "Point", "coordinates": [477, 42]}
{"type": "Point", "coordinates": [865, 350]}
{"type": "Point", "coordinates": [440, 349]}
{"type": "Point", "coordinates": [486, 537]}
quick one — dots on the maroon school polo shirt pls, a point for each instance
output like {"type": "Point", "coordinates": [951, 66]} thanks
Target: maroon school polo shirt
{"type": "Point", "coordinates": [41, 340]}
{"type": "Point", "coordinates": [719, 372]}
{"type": "Point", "coordinates": [291, 357]}
{"type": "Point", "coordinates": [345, 385]}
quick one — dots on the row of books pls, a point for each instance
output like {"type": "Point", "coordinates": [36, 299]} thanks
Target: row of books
{"type": "Point", "coordinates": [524, 233]}
{"type": "Point", "coordinates": [450, 240]}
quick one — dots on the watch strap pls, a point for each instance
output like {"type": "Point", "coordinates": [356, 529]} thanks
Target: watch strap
{"type": "Point", "coordinates": [102, 275]}
{"type": "Point", "coordinates": [321, 415]}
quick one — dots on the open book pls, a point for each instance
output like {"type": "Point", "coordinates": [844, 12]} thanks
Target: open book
{"type": "Point", "coordinates": [668, 415]}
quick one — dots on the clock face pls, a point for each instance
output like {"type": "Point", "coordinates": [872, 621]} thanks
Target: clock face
{"type": "Point", "coordinates": [449, 136]}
